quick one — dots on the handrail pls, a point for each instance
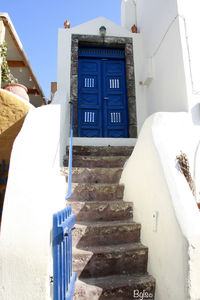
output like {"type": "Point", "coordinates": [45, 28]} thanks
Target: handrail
{"type": "Point", "coordinates": [70, 156]}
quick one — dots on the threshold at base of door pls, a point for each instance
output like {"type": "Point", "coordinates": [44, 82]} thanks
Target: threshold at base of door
{"type": "Point", "coordinates": [81, 141]}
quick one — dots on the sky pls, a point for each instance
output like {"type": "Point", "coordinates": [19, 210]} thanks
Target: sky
{"type": "Point", "coordinates": [37, 23]}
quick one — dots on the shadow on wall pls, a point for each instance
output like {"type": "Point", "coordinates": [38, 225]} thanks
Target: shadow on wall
{"type": "Point", "coordinates": [13, 112]}
{"type": "Point", "coordinates": [196, 114]}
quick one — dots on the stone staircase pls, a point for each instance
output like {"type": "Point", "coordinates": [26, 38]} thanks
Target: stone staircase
{"type": "Point", "coordinates": [108, 257]}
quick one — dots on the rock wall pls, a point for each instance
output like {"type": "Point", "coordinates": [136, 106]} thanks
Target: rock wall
{"type": "Point", "coordinates": [13, 112]}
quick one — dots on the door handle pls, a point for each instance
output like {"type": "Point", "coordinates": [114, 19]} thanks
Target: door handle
{"type": "Point", "coordinates": [106, 98]}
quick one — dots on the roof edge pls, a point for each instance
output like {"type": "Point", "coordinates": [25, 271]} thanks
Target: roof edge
{"type": "Point", "coordinates": [8, 23]}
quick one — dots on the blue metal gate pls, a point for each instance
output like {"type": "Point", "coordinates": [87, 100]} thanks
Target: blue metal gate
{"type": "Point", "coordinates": [102, 100]}
{"type": "Point", "coordinates": [63, 277]}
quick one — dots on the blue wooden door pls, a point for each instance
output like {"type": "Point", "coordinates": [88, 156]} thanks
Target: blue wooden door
{"type": "Point", "coordinates": [102, 101]}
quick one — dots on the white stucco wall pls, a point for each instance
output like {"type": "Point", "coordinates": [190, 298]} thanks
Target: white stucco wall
{"type": "Point", "coordinates": [189, 28]}
{"type": "Point", "coordinates": [35, 191]}
{"type": "Point", "coordinates": [64, 65]}
{"type": "Point", "coordinates": [156, 186]}
{"type": "Point", "coordinates": [167, 92]}
{"type": "Point", "coordinates": [169, 44]}
{"type": "Point", "coordinates": [161, 83]}
{"type": "Point", "coordinates": [64, 50]}
{"type": "Point", "coordinates": [189, 11]}
{"type": "Point", "coordinates": [153, 19]}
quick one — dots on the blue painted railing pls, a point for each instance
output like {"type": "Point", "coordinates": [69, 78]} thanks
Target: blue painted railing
{"type": "Point", "coordinates": [63, 277]}
{"type": "Point", "coordinates": [70, 155]}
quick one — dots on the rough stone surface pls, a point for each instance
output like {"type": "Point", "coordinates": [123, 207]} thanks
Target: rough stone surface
{"type": "Point", "coordinates": [117, 287]}
{"type": "Point", "coordinates": [129, 59]}
{"type": "Point", "coordinates": [110, 260]}
{"type": "Point", "coordinates": [130, 88]}
{"type": "Point", "coordinates": [102, 211]}
{"type": "Point", "coordinates": [74, 68]}
{"type": "Point", "coordinates": [95, 162]}
{"type": "Point", "coordinates": [96, 192]}
{"type": "Point", "coordinates": [129, 48]}
{"type": "Point", "coordinates": [95, 175]}
{"type": "Point", "coordinates": [12, 111]}
{"type": "Point", "coordinates": [105, 233]}
{"type": "Point", "coordinates": [102, 150]}
{"type": "Point", "coordinates": [108, 257]}
{"type": "Point", "coordinates": [74, 87]}
{"type": "Point", "coordinates": [12, 115]}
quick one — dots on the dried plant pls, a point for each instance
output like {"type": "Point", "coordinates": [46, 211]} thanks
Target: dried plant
{"type": "Point", "coordinates": [185, 168]}
{"type": "Point", "coordinates": [6, 75]}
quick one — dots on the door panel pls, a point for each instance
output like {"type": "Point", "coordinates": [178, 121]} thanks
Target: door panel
{"type": "Point", "coordinates": [89, 98]}
{"type": "Point", "coordinates": [115, 100]}
{"type": "Point", "coordinates": [102, 101]}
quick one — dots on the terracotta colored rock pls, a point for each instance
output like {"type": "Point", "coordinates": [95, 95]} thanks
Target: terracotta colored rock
{"type": "Point", "coordinates": [134, 29]}
{"type": "Point", "coordinates": [17, 89]}
{"type": "Point", "coordinates": [67, 24]}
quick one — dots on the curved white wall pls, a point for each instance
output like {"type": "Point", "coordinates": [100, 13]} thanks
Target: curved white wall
{"type": "Point", "coordinates": [35, 191]}
{"type": "Point", "coordinates": [156, 186]}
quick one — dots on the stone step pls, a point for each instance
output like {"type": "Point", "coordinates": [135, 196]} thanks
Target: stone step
{"type": "Point", "coordinates": [110, 260]}
{"type": "Point", "coordinates": [102, 150]}
{"type": "Point", "coordinates": [96, 192]}
{"type": "Point", "coordinates": [116, 287]}
{"type": "Point", "coordinates": [102, 211]}
{"type": "Point", "coordinates": [105, 233]}
{"type": "Point", "coordinates": [96, 161]}
{"type": "Point", "coordinates": [94, 175]}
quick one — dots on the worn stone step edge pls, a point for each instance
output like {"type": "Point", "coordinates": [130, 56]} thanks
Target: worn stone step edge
{"type": "Point", "coordinates": [105, 233]}
{"type": "Point", "coordinates": [64, 170]}
{"type": "Point", "coordinates": [119, 202]}
{"type": "Point", "coordinates": [99, 203]}
{"type": "Point", "coordinates": [110, 287]}
{"type": "Point", "coordinates": [96, 161]}
{"type": "Point", "coordinates": [119, 248]}
{"type": "Point", "coordinates": [97, 191]}
{"type": "Point", "coordinates": [93, 175]}
{"type": "Point", "coordinates": [102, 210]}
{"type": "Point", "coordinates": [107, 223]}
{"type": "Point", "coordinates": [97, 184]}
{"type": "Point", "coordinates": [105, 150]}
{"type": "Point", "coordinates": [95, 261]}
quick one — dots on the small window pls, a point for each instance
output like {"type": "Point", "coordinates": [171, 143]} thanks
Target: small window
{"type": "Point", "coordinates": [114, 83]}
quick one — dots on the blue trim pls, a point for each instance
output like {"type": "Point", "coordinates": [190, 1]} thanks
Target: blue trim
{"type": "Point", "coordinates": [70, 156]}
{"type": "Point", "coordinates": [103, 52]}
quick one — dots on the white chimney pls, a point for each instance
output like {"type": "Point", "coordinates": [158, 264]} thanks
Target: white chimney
{"type": "Point", "coordinates": [128, 14]}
